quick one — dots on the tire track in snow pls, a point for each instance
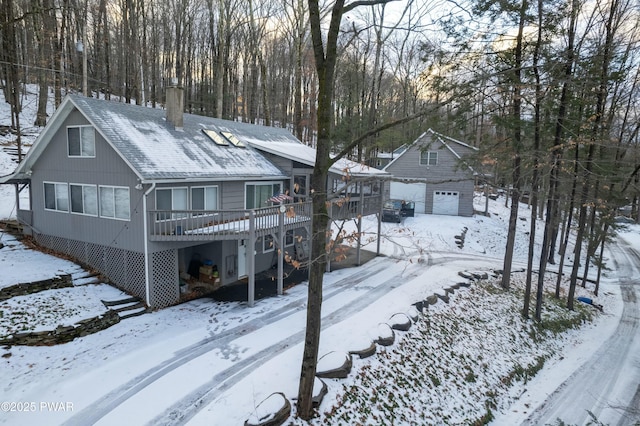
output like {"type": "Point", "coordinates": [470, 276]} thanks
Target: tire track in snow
{"type": "Point", "coordinates": [109, 402]}
{"type": "Point", "coordinates": [184, 409]}
{"type": "Point", "coordinates": [100, 408]}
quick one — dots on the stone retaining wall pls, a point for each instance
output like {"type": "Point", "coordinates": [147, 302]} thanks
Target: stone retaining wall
{"type": "Point", "coordinates": [63, 334]}
{"type": "Point", "coordinates": [23, 289]}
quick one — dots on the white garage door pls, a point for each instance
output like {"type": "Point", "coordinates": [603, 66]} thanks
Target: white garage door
{"type": "Point", "coordinates": [445, 202]}
{"type": "Point", "coordinates": [416, 192]}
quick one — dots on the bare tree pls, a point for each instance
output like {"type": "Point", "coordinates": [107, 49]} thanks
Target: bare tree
{"type": "Point", "coordinates": [44, 18]}
{"type": "Point", "coordinates": [325, 54]}
{"type": "Point", "coordinates": [597, 131]}
{"type": "Point", "coordinates": [9, 64]}
{"type": "Point", "coordinates": [297, 17]}
{"type": "Point", "coordinates": [535, 182]}
{"type": "Point", "coordinates": [516, 145]}
{"type": "Point", "coordinates": [557, 152]}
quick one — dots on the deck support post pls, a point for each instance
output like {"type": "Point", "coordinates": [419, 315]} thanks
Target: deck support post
{"type": "Point", "coordinates": [360, 214]}
{"type": "Point", "coordinates": [379, 215]}
{"type": "Point", "coordinates": [251, 259]}
{"type": "Point", "coordinates": [280, 249]}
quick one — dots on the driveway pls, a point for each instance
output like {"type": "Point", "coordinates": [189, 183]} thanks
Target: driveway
{"type": "Point", "coordinates": [607, 387]}
{"type": "Point", "coordinates": [223, 367]}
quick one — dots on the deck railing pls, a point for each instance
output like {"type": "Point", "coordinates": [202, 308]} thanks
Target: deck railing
{"type": "Point", "coordinates": [186, 225]}
{"type": "Point", "coordinates": [201, 225]}
{"type": "Point", "coordinates": [354, 205]}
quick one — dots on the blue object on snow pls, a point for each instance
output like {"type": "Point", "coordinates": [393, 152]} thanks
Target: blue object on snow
{"type": "Point", "coordinates": [585, 300]}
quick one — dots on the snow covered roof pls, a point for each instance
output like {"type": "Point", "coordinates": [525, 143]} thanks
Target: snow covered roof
{"type": "Point", "coordinates": [294, 150]}
{"type": "Point", "coordinates": [451, 143]}
{"type": "Point", "coordinates": [393, 154]}
{"type": "Point", "coordinates": [156, 151]}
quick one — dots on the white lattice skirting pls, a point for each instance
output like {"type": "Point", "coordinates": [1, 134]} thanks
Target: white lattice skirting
{"type": "Point", "coordinates": [125, 268]}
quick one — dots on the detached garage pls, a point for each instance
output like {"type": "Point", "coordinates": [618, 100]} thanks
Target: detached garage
{"type": "Point", "coordinates": [432, 173]}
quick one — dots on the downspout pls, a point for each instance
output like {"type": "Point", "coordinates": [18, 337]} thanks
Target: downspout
{"type": "Point", "coordinates": [17, 200]}
{"type": "Point", "coordinates": [380, 211]}
{"type": "Point", "coordinates": [147, 277]}
{"type": "Point", "coordinates": [359, 224]}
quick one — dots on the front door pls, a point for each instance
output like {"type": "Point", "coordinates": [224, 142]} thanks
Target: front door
{"type": "Point", "coordinates": [242, 258]}
{"type": "Point", "coordinates": [299, 188]}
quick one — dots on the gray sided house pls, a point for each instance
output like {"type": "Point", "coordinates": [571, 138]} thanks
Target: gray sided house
{"type": "Point", "coordinates": [432, 173]}
{"type": "Point", "coordinates": [155, 199]}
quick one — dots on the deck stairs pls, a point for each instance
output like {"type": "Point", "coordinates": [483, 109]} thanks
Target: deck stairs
{"type": "Point", "coordinates": [128, 307]}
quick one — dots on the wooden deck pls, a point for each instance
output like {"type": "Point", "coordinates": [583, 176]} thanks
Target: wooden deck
{"type": "Point", "coordinates": [216, 225]}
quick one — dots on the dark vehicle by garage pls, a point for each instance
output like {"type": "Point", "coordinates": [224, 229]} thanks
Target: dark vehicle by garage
{"type": "Point", "coordinates": [396, 210]}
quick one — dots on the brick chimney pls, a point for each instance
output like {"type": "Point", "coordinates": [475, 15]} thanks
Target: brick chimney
{"type": "Point", "coordinates": [175, 104]}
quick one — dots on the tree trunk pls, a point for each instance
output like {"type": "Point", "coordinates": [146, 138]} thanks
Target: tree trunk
{"type": "Point", "coordinates": [602, 243]}
{"type": "Point", "coordinates": [43, 21]}
{"type": "Point", "coordinates": [570, 213]}
{"type": "Point", "coordinates": [555, 220]}
{"type": "Point", "coordinates": [265, 92]}
{"type": "Point", "coordinates": [551, 221]}
{"type": "Point", "coordinates": [107, 54]}
{"type": "Point", "coordinates": [593, 240]}
{"type": "Point", "coordinates": [535, 183]}
{"type": "Point", "coordinates": [223, 47]}
{"type": "Point", "coordinates": [325, 67]}
{"type": "Point", "coordinates": [299, 44]}
{"type": "Point", "coordinates": [596, 133]}
{"type": "Point", "coordinates": [517, 146]}
{"type": "Point", "coordinates": [10, 63]}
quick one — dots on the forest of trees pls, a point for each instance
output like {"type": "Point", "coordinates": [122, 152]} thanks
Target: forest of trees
{"type": "Point", "coordinates": [547, 90]}
{"type": "Point", "coordinates": [237, 59]}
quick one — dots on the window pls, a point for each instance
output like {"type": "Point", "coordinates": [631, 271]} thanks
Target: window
{"type": "Point", "coordinates": [256, 195]}
{"type": "Point", "coordinates": [81, 141]}
{"type": "Point", "coordinates": [114, 202]}
{"type": "Point", "coordinates": [56, 196]}
{"type": "Point", "coordinates": [336, 185]}
{"type": "Point", "coordinates": [215, 137]}
{"type": "Point", "coordinates": [84, 199]}
{"type": "Point", "coordinates": [428, 158]}
{"type": "Point", "coordinates": [233, 139]}
{"type": "Point", "coordinates": [204, 198]}
{"type": "Point", "coordinates": [268, 244]}
{"type": "Point", "coordinates": [288, 238]}
{"type": "Point", "coordinates": [171, 199]}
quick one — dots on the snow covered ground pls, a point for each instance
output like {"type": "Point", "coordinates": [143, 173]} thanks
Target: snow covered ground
{"type": "Point", "coordinates": [208, 362]}
{"type": "Point", "coordinates": [211, 362]}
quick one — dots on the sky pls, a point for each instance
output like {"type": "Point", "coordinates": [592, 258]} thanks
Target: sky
{"type": "Point", "coordinates": [209, 362]}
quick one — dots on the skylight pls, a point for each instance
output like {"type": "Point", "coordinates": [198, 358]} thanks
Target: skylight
{"type": "Point", "coordinates": [215, 137]}
{"type": "Point", "coordinates": [233, 139]}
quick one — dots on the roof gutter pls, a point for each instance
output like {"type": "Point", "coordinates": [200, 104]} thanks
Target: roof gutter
{"type": "Point", "coordinates": [11, 179]}
{"type": "Point", "coordinates": [147, 274]}
{"type": "Point", "coordinates": [213, 179]}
